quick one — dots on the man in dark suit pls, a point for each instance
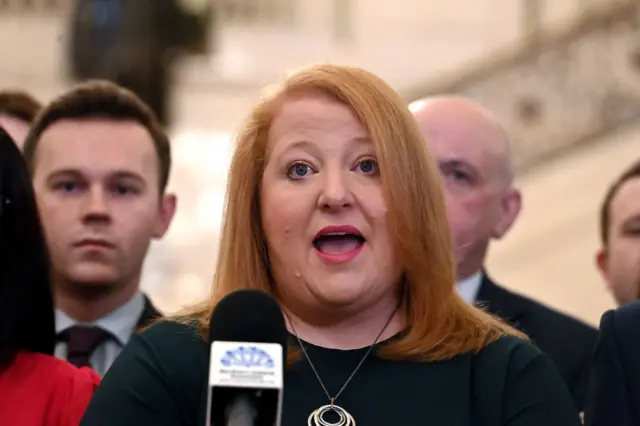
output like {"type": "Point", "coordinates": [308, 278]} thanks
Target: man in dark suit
{"type": "Point", "coordinates": [613, 397]}
{"type": "Point", "coordinates": [618, 258]}
{"type": "Point", "coordinates": [614, 391]}
{"type": "Point", "coordinates": [473, 152]}
{"type": "Point", "coordinates": [100, 164]}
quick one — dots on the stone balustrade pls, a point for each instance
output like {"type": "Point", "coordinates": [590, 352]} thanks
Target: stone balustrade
{"type": "Point", "coordinates": [566, 88]}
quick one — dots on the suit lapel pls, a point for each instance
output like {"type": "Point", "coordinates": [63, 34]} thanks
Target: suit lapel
{"type": "Point", "coordinates": [149, 314]}
{"type": "Point", "coordinates": [624, 328]}
{"type": "Point", "coordinates": [498, 301]}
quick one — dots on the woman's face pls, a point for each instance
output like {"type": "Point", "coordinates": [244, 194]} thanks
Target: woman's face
{"type": "Point", "coordinates": [323, 212]}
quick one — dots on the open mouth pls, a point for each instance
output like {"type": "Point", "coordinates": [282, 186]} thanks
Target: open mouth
{"type": "Point", "coordinates": [338, 242]}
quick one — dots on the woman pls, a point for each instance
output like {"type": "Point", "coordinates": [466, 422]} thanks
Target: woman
{"type": "Point", "coordinates": [334, 206]}
{"type": "Point", "coordinates": [36, 389]}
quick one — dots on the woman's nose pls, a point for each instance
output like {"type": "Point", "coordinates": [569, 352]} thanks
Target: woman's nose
{"type": "Point", "coordinates": [336, 193]}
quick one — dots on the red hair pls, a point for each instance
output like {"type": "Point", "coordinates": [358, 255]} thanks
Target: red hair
{"type": "Point", "coordinates": [440, 324]}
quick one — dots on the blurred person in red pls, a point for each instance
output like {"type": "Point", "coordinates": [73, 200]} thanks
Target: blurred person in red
{"type": "Point", "coordinates": [18, 109]}
{"type": "Point", "coordinates": [36, 389]}
{"type": "Point", "coordinates": [618, 258]}
{"type": "Point", "coordinates": [473, 152]}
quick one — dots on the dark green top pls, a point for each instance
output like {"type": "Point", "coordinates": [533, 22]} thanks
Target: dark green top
{"type": "Point", "coordinates": [160, 379]}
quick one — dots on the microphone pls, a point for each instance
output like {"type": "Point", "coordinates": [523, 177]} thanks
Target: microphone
{"type": "Point", "coordinates": [248, 353]}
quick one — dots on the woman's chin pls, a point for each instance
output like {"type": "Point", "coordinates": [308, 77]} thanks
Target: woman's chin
{"type": "Point", "coordinates": [341, 296]}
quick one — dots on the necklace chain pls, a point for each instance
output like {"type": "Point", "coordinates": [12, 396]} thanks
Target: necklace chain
{"type": "Point", "coordinates": [366, 355]}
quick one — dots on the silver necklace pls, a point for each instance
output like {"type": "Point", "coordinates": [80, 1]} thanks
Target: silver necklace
{"type": "Point", "coordinates": [316, 418]}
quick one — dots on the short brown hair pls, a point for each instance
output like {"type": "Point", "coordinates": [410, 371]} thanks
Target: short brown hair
{"type": "Point", "coordinates": [101, 99]}
{"type": "Point", "coordinates": [19, 104]}
{"type": "Point", "coordinates": [632, 172]}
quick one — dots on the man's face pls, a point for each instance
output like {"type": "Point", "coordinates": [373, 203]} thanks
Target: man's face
{"type": "Point", "coordinates": [472, 153]}
{"type": "Point", "coordinates": [16, 128]}
{"type": "Point", "coordinates": [620, 262]}
{"type": "Point", "coordinates": [474, 193]}
{"type": "Point", "coordinates": [96, 183]}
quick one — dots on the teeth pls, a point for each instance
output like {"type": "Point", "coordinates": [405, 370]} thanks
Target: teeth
{"type": "Point", "coordinates": [339, 234]}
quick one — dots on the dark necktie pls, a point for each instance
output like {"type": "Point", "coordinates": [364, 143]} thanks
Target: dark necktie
{"type": "Point", "coordinates": [81, 342]}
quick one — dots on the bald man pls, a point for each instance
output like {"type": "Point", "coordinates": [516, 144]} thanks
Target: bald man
{"type": "Point", "coordinates": [473, 153]}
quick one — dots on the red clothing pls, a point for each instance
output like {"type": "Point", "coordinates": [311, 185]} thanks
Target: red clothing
{"type": "Point", "coordinates": [40, 390]}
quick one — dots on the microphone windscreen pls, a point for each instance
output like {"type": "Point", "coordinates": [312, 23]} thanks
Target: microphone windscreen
{"type": "Point", "coordinates": [249, 316]}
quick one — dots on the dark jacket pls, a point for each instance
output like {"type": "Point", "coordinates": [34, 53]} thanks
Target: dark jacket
{"type": "Point", "coordinates": [149, 315]}
{"type": "Point", "coordinates": [568, 341]}
{"type": "Point", "coordinates": [613, 397]}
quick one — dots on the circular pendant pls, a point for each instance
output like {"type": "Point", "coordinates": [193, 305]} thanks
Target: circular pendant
{"type": "Point", "coordinates": [317, 418]}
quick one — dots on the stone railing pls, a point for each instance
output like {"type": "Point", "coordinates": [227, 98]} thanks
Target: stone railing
{"type": "Point", "coordinates": [241, 12]}
{"type": "Point", "coordinates": [559, 89]}
{"type": "Point", "coordinates": [34, 6]}
{"type": "Point", "coordinates": [257, 12]}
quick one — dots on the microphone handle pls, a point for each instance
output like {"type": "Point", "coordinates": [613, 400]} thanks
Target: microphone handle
{"type": "Point", "coordinates": [241, 412]}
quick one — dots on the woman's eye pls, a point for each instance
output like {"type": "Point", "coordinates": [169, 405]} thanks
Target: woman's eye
{"type": "Point", "coordinates": [299, 170]}
{"type": "Point", "coordinates": [368, 166]}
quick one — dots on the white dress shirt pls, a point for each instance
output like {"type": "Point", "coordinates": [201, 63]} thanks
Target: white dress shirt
{"type": "Point", "coordinates": [121, 323]}
{"type": "Point", "coordinates": [469, 287]}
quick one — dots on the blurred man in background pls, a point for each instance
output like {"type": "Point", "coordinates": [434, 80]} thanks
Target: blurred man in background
{"type": "Point", "coordinates": [135, 43]}
{"type": "Point", "coordinates": [473, 151]}
{"type": "Point", "coordinates": [619, 256]}
{"type": "Point", "coordinates": [18, 109]}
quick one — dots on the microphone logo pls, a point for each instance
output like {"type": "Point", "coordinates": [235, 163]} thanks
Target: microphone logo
{"type": "Point", "coordinates": [246, 364]}
{"type": "Point", "coordinates": [247, 356]}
